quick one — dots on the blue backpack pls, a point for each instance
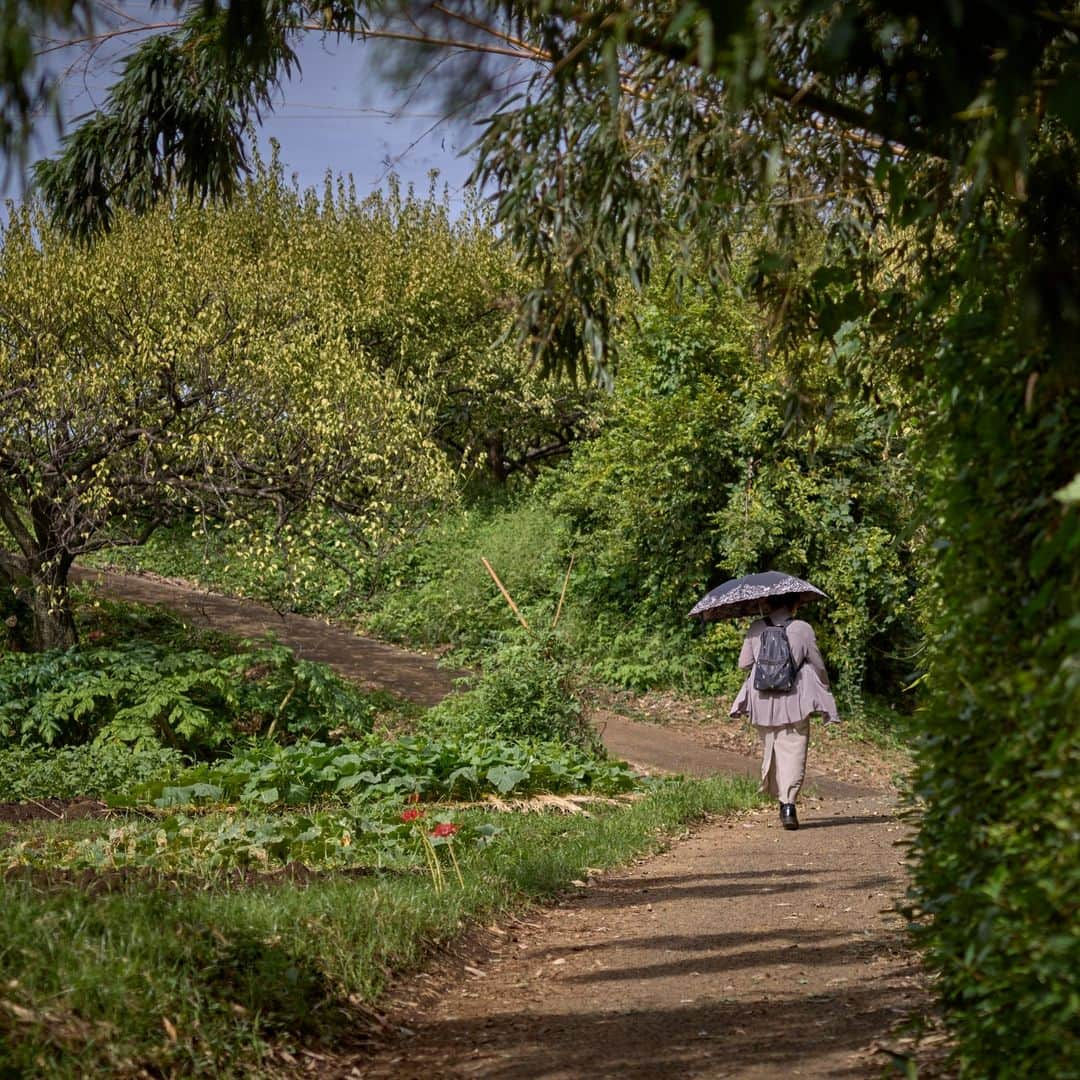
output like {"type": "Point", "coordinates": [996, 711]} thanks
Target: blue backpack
{"type": "Point", "coordinates": [775, 669]}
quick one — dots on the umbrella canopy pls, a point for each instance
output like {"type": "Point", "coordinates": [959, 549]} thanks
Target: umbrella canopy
{"type": "Point", "coordinates": [746, 595]}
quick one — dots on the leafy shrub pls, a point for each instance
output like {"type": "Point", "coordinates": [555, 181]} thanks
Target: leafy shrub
{"type": "Point", "coordinates": [997, 779]}
{"type": "Point", "coordinates": [145, 694]}
{"type": "Point", "coordinates": [98, 771]}
{"type": "Point", "coordinates": [713, 464]}
{"type": "Point", "coordinates": [643, 657]}
{"type": "Point", "coordinates": [465, 767]}
{"type": "Point", "coordinates": [525, 692]}
{"type": "Point", "coordinates": [436, 590]}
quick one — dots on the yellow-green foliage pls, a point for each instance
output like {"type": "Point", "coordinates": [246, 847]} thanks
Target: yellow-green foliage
{"type": "Point", "coordinates": [260, 364]}
{"type": "Point", "coordinates": [188, 365]}
{"type": "Point", "coordinates": [425, 294]}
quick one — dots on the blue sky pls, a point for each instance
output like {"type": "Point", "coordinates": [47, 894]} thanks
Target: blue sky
{"type": "Point", "coordinates": [335, 114]}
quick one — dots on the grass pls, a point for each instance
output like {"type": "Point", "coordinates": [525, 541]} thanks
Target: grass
{"type": "Point", "coordinates": [206, 979]}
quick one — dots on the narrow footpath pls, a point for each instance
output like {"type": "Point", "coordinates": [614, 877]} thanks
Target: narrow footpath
{"type": "Point", "coordinates": [742, 951]}
{"type": "Point", "coordinates": [416, 676]}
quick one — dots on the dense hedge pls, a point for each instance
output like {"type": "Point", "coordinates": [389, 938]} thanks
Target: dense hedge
{"type": "Point", "coordinates": [719, 459]}
{"type": "Point", "coordinates": [997, 873]}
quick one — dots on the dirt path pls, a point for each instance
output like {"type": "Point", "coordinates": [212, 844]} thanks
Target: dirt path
{"type": "Point", "coordinates": [410, 675]}
{"type": "Point", "coordinates": [743, 951]}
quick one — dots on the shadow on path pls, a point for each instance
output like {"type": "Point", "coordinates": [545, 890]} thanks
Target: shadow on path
{"type": "Point", "coordinates": [788, 964]}
{"type": "Point", "coordinates": [719, 887]}
{"type": "Point", "coordinates": [830, 822]}
{"type": "Point", "coordinates": [775, 1034]}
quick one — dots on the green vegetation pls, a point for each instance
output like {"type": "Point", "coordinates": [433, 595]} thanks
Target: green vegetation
{"type": "Point", "coordinates": [434, 767]}
{"type": "Point", "coordinates": [214, 977]}
{"type": "Point", "coordinates": [526, 692]}
{"type": "Point", "coordinates": [250, 903]}
{"type": "Point", "coordinates": [212, 396]}
{"type": "Point", "coordinates": [895, 415]}
{"type": "Point", "coordinates": [114, 771]}
{"type": "Point", "coordinates": [699, 470]}
{"type": "Point", "coordinates": [239, 852]}
{"type": "Point", "coordinates": [145, 695]}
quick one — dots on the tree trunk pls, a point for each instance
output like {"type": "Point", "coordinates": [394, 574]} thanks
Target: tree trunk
{"type": "Point", "coordinates": [495, 457]}
{"type": "Point", "coordinates": [52, 620]}
{"type": "Point", "coordinates": [14, 611]}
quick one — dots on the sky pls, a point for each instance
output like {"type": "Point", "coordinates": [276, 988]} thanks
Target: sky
{"type": "Point", "coordinates": [335, 114]}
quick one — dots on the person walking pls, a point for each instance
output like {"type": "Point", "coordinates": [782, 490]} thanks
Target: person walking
{"type": "Point", "coordinates": [782, 715]}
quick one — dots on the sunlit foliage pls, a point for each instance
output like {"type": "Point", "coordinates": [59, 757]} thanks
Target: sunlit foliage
{"type": "Point", "coordinates": [192, 364]}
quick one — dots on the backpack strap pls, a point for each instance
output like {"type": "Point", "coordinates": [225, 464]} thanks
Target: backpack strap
{"type": "Point", "coordinates": [783, 626]}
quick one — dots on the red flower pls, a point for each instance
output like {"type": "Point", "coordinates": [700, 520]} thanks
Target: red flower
{"type": "Point", "coordinates": [411, 815]}
{"type": "Point", "coordinates": [444, 828]}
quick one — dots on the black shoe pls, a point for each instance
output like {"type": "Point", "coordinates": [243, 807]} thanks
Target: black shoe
{"type": "Point", "coordinates": [788, 817]}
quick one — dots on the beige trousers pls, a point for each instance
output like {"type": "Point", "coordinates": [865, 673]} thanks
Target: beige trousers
{"type": "Point", "coordinates": [783, 760]}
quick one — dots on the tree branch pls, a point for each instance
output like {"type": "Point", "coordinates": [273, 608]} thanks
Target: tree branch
{"type": "Point", "coordinates": [22, 536]}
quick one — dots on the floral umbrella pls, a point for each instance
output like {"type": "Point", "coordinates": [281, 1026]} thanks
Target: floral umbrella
{"type": "Point", "coordinates": [746, 595]}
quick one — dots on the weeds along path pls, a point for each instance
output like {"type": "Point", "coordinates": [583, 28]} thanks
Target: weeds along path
{"type": "Point", "coordinates": [743, 951]}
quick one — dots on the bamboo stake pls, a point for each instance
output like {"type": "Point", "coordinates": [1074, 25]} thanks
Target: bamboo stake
{"type": "Point", "coordinates": [47, 809]}
{"type": "Point", "coordinates": [502, 589]}
{"type": "Point", "coordinates": [562, 595]}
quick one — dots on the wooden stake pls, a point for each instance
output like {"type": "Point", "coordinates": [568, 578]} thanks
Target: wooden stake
{"type": "Point", "coordinates": [502, 589]}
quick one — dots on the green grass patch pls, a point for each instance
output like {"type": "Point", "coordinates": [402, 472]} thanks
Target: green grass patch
{"type": "Point", "coordinates": [879, 724]}
{"type": "Point", "coordinates": [203, 980]}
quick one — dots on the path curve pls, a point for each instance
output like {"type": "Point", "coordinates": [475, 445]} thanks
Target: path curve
{"type": "Point", "coordinates": [410, 675]}
{"type": "Point", "coordinates": [418, 677]}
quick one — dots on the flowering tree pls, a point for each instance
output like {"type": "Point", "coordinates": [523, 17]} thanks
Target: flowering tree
{"type": "Point", "coordinates": [432, 295]}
